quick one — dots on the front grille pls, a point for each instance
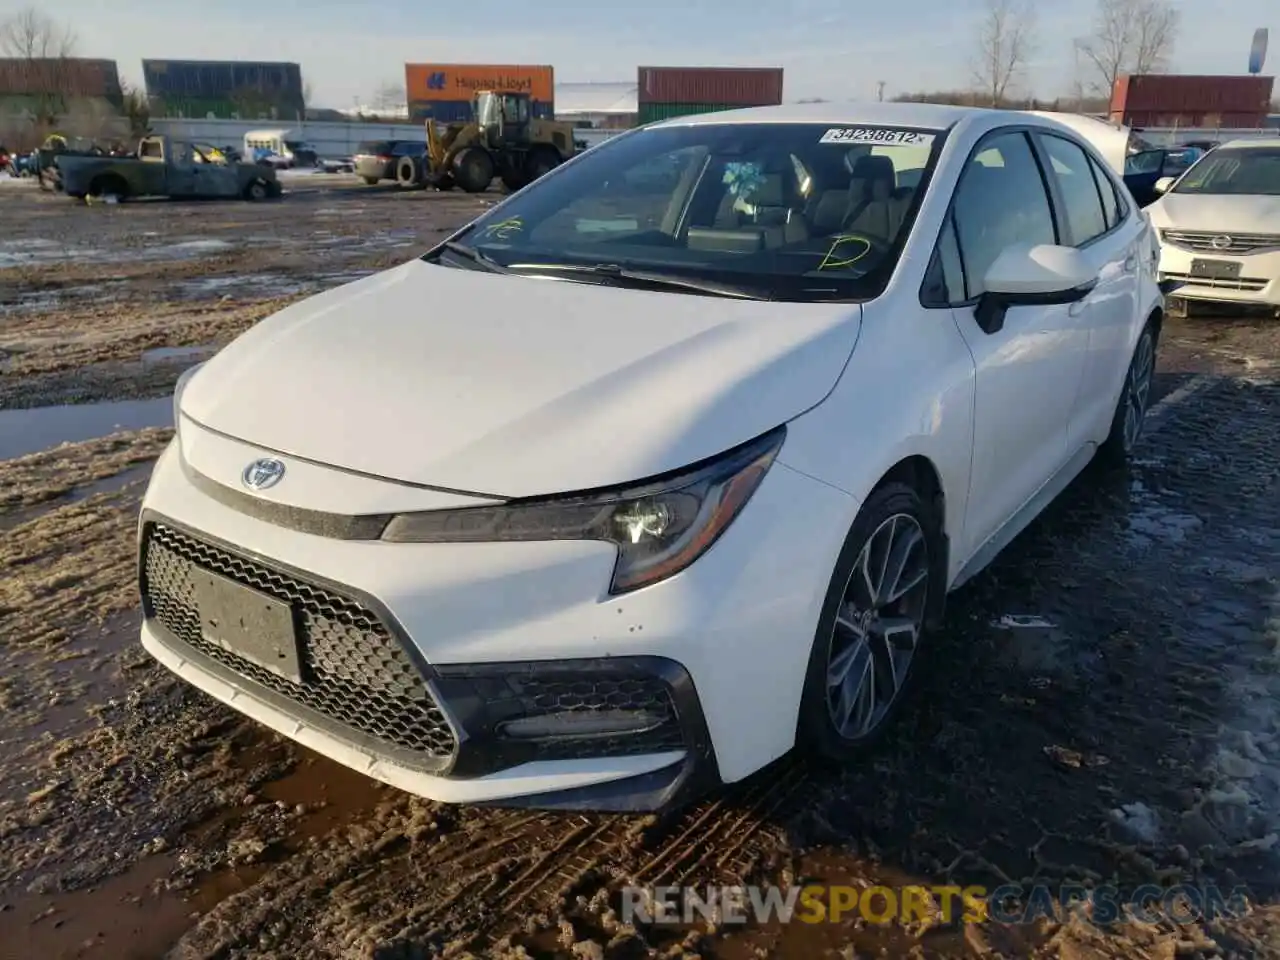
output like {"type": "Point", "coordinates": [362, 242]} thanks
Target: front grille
{"type": "Point", "coordinates": [1248, 284]}
{"type": "Point", "coordinates": [1235, 243]}
{"type": "Point", "coordinates": [356, 674]}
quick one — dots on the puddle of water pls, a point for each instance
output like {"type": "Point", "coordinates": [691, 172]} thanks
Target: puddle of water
{"type": "Point", "coordinates": [123, 918]}
{"type": "Point", "coordinates": [39, 428]}
{"type": "Point", "coordinates": [18, 517]}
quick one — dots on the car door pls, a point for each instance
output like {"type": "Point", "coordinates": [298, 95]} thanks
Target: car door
{"type": "Point", "coordinates": [1090, 209]}
{"type": "Point", "coordinates": [1027, 373]}
{"type": "Point", "coordinates": [180, 170]}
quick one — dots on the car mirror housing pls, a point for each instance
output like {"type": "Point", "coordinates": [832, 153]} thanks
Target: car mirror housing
{"type": "Point", "coordinates": [1042, 275]}
{"type": "Point", "coordinates": [1164, 184]}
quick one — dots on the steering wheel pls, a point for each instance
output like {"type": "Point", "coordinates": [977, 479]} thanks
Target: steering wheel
{"type": "Point", "coordinates": [848, 248]}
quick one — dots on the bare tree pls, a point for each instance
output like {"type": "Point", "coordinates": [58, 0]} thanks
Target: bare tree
{"type": "Point", "coordinates": [1006, 38]}
{"type": "Point", "coordinates": [44, 50]}
{"type": "Point", "coordinates": [1129, 36]}
{"type": "Point", "coordinates": [389, 97]}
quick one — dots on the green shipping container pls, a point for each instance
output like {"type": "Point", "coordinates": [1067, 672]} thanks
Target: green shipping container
{"type": "Point", "coordinates": [653, 112]}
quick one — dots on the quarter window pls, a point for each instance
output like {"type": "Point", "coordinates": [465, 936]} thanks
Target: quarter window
{"type": "Point", "coordinates": [1000, 201]}
{"type": "Point", "coordinates": [1111, 209]}
{"type": "Point", "coordinates": [1069, 166]}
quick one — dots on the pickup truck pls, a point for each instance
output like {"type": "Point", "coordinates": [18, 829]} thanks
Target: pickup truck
{"type": "Point", "coordinates": [165, 168]}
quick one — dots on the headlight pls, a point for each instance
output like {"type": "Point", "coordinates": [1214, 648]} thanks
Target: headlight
{"type": "Point", "coordinates": [659, 527]}
{"type": "Point", "coordinates": [183, 379]}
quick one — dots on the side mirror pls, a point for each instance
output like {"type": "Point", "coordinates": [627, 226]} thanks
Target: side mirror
{"type": "Point", "coordinates": [1163, 184]}
{"type": "Point", "coordinates": [1022, 276]}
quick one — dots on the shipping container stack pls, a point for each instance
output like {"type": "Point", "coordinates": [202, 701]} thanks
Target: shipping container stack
{"type": "Point", "coordinates": [665, 92]}
{"type": "Point", "coordinates": [225, 89]}
{"type": "Point", "coordinates": [73, 78]}
{"type": "Point", "coordinates": [443, 91]}
{"type": "Point", "coordinates": [1179, 100]}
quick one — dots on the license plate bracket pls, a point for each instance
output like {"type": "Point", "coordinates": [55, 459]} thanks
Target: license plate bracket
{"type": "Point", "coordinates": [1215, 269]}
{"type": "Point", "coordinates": [249, 624]}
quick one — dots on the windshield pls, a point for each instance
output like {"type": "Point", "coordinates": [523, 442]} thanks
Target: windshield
{"type": "Point", "coordinates": [1252, 171]}
{"type": "Point", "coordinates": [785, 211]}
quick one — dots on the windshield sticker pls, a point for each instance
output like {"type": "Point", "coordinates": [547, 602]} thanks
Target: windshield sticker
{"type": "Point", "coordinates": [844, 252]}
{"type": "Point", "coordinates": [885, 135]}
{"type": "Point", "coordinates": [504, 229]}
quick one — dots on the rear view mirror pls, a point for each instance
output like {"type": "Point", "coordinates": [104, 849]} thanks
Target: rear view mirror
{"type": "Point", "coordinates": [1043, 275]}
{"type": "Point", "coordinates": [1163, 184]}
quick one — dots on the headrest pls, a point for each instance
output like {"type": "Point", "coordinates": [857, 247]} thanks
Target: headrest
{"type": "Point", "coordinates": [873, 167]}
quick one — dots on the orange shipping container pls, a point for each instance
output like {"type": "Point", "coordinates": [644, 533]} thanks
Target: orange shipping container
{"type": "Point", "coordinates": [460, 81]}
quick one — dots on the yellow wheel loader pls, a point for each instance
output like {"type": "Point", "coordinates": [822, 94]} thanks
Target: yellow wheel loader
{"type": "Point", "coordinates": [502, 139]}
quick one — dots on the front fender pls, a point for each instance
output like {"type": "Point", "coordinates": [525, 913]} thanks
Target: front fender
{"type": "Point", "coordinates": [907, 391]}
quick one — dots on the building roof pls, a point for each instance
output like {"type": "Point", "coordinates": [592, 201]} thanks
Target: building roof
{"type": "Point", "coordinates": [596, 98]}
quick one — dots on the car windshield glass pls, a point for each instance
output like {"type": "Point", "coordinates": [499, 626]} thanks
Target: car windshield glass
{"type": "Point", "coordinates": [1249, 170]}
{"type": "Point", "coordinates": [373, 148]}
{"type": "Point", "coordinates": [788, 211]}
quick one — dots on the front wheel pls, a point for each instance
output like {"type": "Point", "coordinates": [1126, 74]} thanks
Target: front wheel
{"type": "Point", "coordinates": [257, 191]}
{"type": "Point", "coordinates": [473, 170]}
{"type": "Point", "coordinates": [1135, 399]}
{"type": "Point", "coordinates": [872, 624]}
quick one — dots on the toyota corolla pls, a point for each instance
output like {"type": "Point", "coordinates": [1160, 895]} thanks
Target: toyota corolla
{"type": "Point", "coordinates": [662, 467]}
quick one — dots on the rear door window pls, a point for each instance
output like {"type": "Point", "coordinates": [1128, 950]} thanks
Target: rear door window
{"type": "Point", "coordinates": [1069, 166]}
{"type": "Point", "coordinates": [374, 148]}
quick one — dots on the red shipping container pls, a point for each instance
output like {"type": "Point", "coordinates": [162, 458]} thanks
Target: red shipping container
{"type": "Point", "coordinates": [1180, 93]}
{"type": "Point", "coordinates": [73, 77]}
{"type": "Point", "coordinates": [735, 86]}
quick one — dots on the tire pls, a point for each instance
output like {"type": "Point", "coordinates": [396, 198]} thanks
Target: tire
{"type": "Point", "coordinates": [894, 514]}
{"type": "Point", "coordinates": [514, 180]}
{"type": "Point", "coordinates": [108, 186]}
{"type": "Point", "coordinates": [540, 163]}
{"type": "Point", "coordinates": [408, 172]}
{"type": "Point", "coordinates": [473, 170]}
{"type": "Point", "coordinates": [1135, 400]}
{"type": "Point", "coordinates": [257, 191]}
{"type": "Point", "coordinates": [371, 181]}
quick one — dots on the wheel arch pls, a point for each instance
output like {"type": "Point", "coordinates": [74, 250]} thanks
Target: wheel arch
{"type": "Point", "coordinates": [919, 472]}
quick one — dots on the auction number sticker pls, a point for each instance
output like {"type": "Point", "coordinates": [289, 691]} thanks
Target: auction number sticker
{"type": "Point", "coordinates": [886, 135]}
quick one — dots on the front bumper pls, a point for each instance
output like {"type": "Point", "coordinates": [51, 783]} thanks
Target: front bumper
{"type": "Point", "coordinates": [421, 675]}
{"type": "Point", "coordinates": [1258, 282]}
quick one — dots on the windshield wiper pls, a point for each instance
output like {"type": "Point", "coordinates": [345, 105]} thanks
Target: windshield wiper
{"type": "Point", "coordinates": [613, 271]}
{"type": "Point", "coordinates": [475, 256]}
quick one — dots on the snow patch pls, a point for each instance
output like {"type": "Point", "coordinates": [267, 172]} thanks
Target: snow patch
{"type": "Point", "coordinates": [1139, 820]}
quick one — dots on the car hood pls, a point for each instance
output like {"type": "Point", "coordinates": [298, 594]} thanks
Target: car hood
{"type": "Point", "coordinates": [1211, 214]}
{"type": "Point", "coordinates": [515, 386]}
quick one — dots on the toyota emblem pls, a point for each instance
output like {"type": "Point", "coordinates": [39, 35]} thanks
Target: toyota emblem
{"type": "Point", "coordinates": [1220, 243]}
{"type": "Point", "coordinates": [262, 474]}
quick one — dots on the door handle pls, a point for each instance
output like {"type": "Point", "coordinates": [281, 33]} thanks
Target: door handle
{"type": "Point", "coordinates": [1130, 263]}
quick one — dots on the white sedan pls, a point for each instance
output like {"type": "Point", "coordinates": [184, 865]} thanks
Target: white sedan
{"type": "Point", "coordinates": [1219, 225]}
{"type": "Point", "coordinates": [665, 464]}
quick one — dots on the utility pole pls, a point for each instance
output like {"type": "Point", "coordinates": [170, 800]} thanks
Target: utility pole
{"type": "Point", "coordinates": [880, 90]}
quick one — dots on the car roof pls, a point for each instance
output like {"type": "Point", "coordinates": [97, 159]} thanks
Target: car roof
{"type": "Point", "coordinates": [923, 116]}
{"type": "Point", "coordinates": [928, 116]}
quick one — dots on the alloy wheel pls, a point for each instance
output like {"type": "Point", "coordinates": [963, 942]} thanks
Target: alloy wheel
{"type": "Point", "coordinates": [1138, 390]}
{"type": "Point", "coordinates": [878, 627]}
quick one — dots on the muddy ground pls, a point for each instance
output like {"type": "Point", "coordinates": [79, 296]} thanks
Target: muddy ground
{"type": "Point", "coordinates": [1103, 706]}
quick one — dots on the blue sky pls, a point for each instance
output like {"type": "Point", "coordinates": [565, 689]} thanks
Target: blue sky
{"type": "Point", "coordinates": [833, 48]}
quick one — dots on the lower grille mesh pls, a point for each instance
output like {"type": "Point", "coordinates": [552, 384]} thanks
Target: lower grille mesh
{"type": "Point", "coordinates": [356, 673]}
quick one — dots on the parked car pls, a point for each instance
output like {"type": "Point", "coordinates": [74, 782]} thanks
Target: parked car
{"type": "Point", "coordinates": [1219, 225]}
{"type": "Point", "coordinates": [376, 160]}
{"type": "Point", "coordinates": [676, 471]}
{"type": "Point", "coordinates": [337, 164]}
{"type": "Point", "coordinates": [164, 168]}
{"type": "Point", "coordinates": [1143, 170]}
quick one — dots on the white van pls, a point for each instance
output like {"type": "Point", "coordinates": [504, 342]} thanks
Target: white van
{"type": "Point", "coordinates": [278, 148]}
